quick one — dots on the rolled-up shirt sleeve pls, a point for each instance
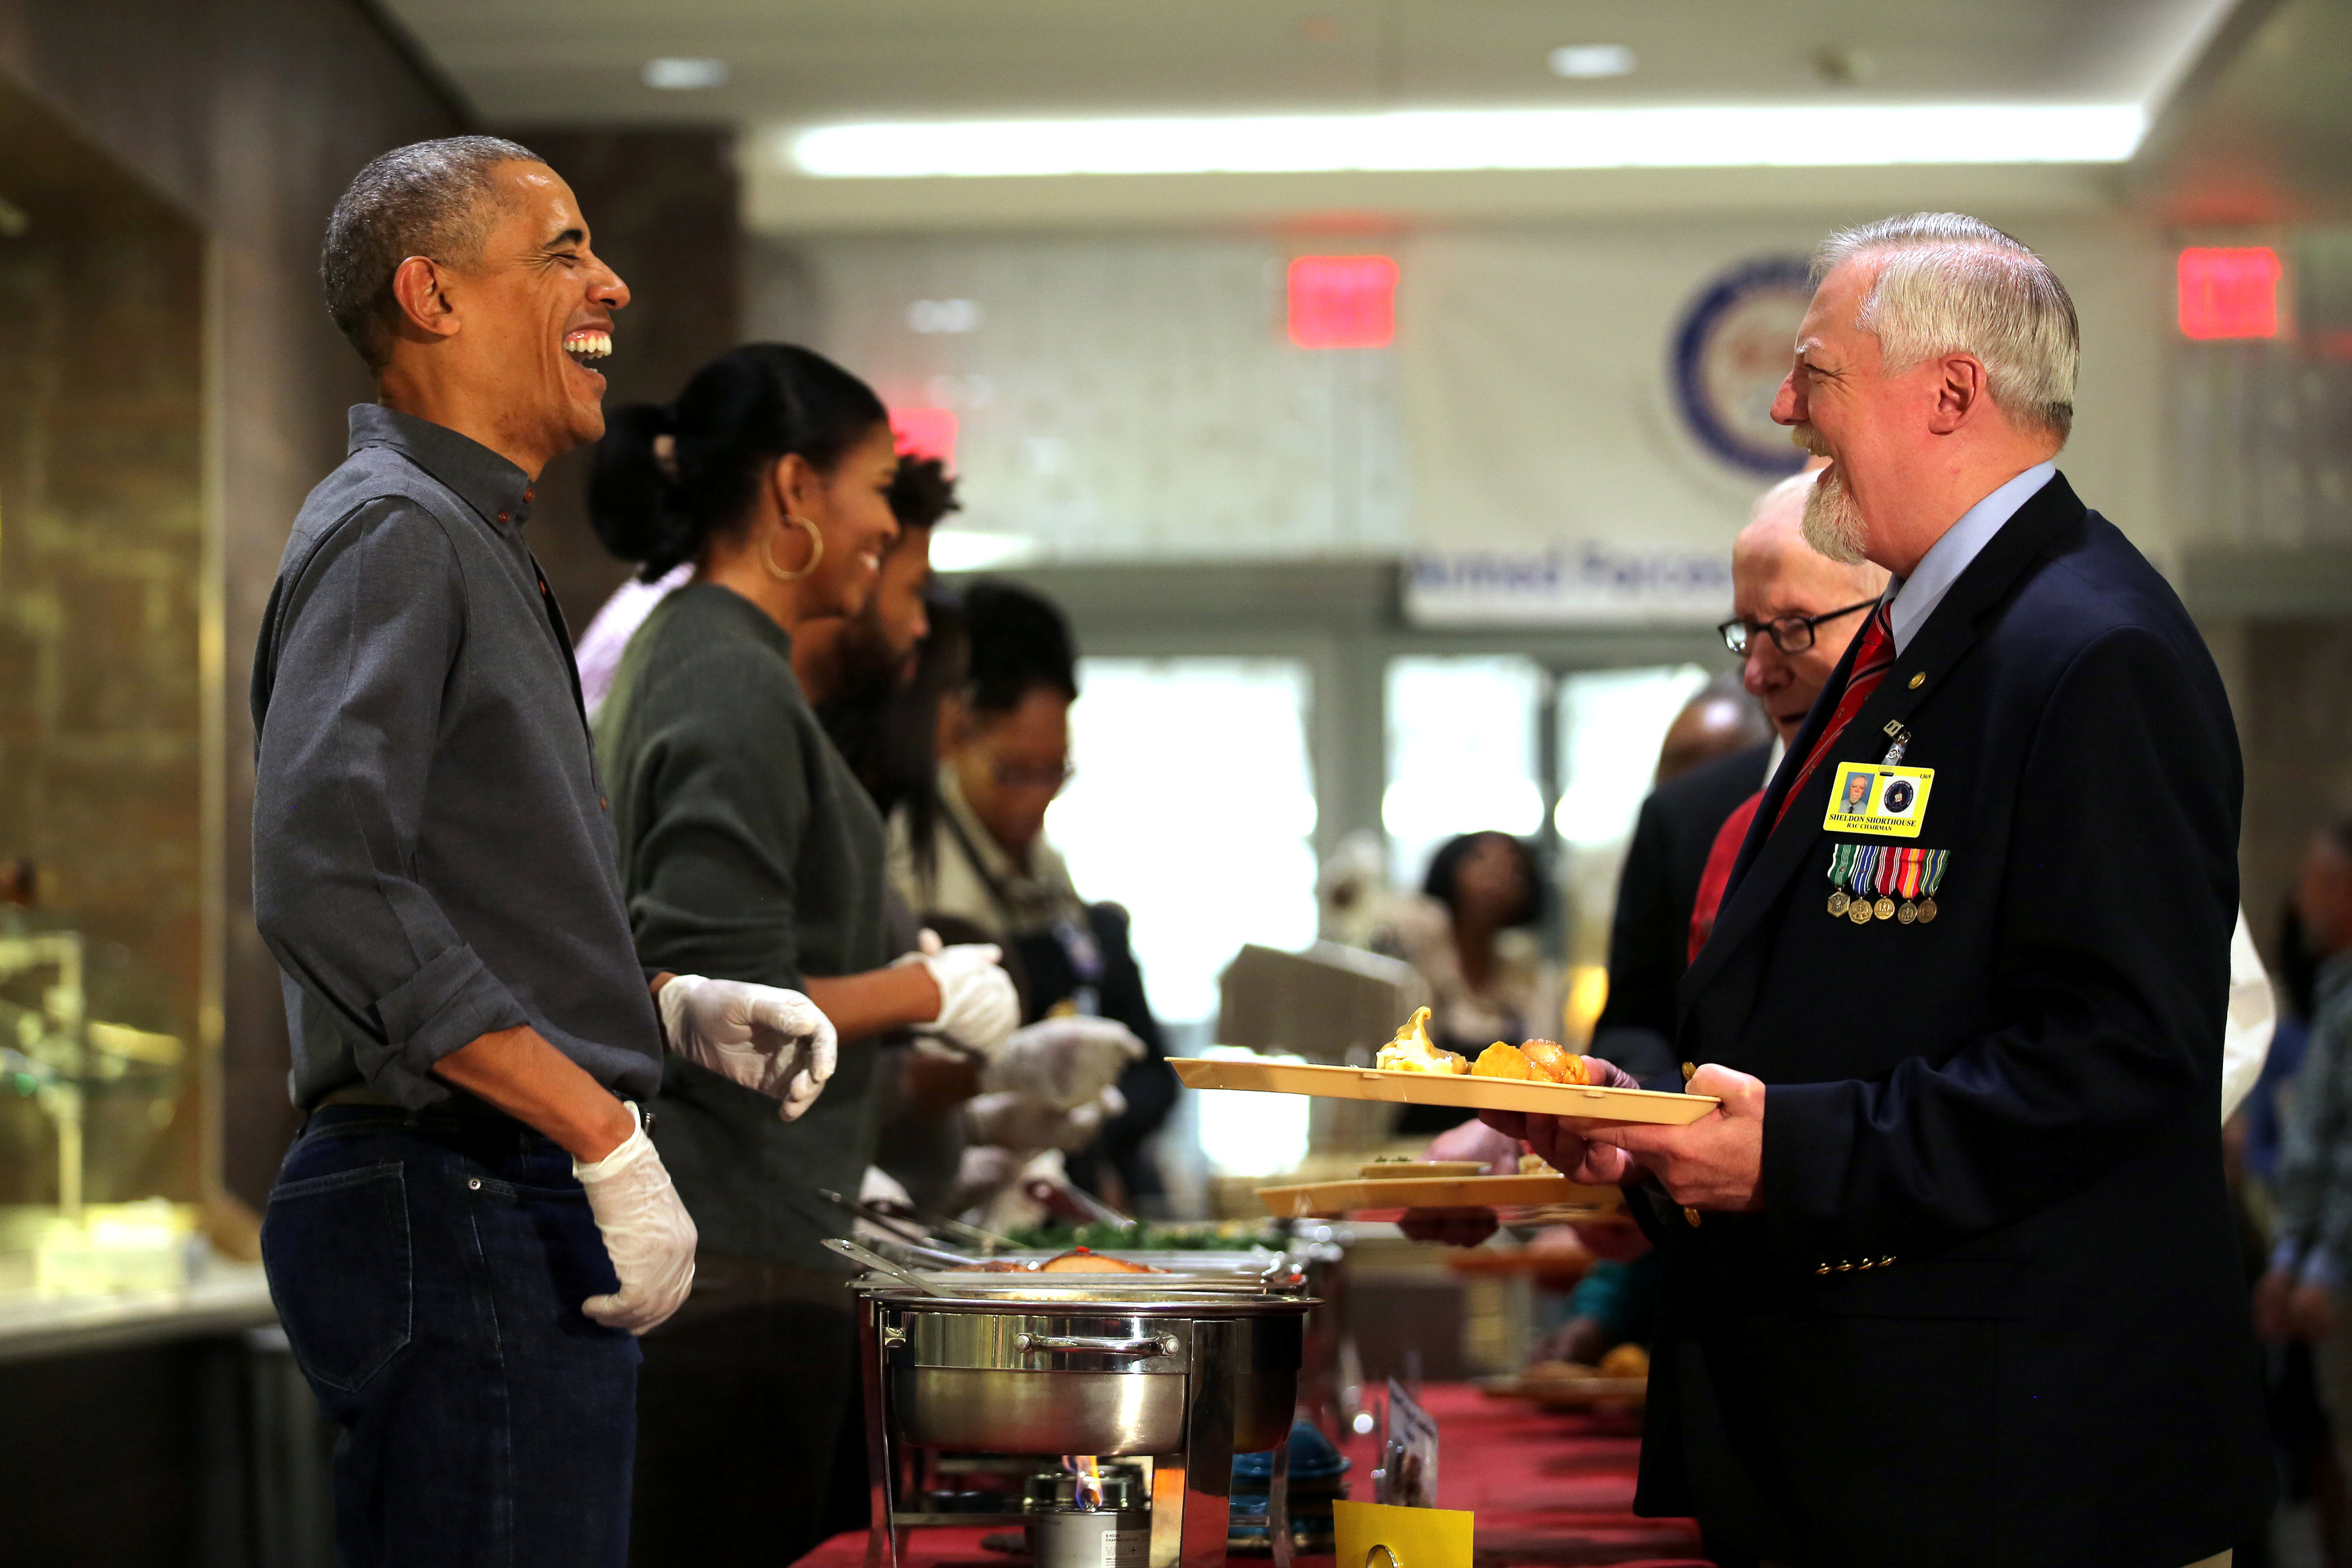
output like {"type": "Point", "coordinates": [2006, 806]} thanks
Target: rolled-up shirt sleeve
{"type": "Point", "coordinates": [359, 653]}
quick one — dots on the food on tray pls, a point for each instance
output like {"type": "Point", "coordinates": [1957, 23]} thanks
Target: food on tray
{"type": "Point", "coordinates": [1532, 1163]}
{"type": "Point", "coordinates": [1412, 1050]}
{"type": "Point", "coordinates": [1079, 1261]}
{"type": "Point", "coordinates": [1628, 1359]}
{"type": "Point", "coordinates": [1560, 1372]}
{"type": "Point", "coordinates": [1540, 1061]}
{"type": "Point", "coordinates": [1555, 1061]}
{"type": "Point", "coordinates": [1500, 1061]}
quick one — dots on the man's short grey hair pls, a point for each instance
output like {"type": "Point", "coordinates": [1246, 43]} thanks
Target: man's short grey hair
{"type": "Point", "coordinates": [1949, 284]}
{"type": "Point", "coordinates": [434, 199]}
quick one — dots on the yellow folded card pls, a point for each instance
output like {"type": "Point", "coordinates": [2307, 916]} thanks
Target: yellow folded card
{"type": "Point", "coordinates": [1376, 1535]}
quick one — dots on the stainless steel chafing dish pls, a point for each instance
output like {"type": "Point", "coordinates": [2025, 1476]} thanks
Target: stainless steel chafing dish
{"type": "Point", "coordinates": [1184, 1369]}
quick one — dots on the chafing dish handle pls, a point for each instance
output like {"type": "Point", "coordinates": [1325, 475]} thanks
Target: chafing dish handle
{"type": "Point", "coordinates": [1095, 1344]}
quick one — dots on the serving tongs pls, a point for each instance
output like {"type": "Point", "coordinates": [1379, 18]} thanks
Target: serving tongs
{"type": "Point", "coordinates": [912, 1225]}
{"type": "Point", "coordinates": [879, 1264]}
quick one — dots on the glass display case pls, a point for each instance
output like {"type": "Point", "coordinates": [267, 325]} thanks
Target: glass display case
{"type": "Point", "coordinates": [105, 732]}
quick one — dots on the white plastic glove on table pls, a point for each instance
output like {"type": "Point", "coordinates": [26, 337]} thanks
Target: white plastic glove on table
{"type": "Point", "coordinates": [648, 1233]}
{"type": "Point", "coordinates": [1066, 1061]}
{"type": "Point", "coordinates": [979, 1008]}
{"type": "Point", "coordinates": [762, 1036]}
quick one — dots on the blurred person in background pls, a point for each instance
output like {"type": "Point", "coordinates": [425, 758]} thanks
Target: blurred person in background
{"type": "Point", "coordinates": [747, 846]}
{"type": "Point", "coordinates": [985, 865]}
{"type": "Point", "coordinates": [2301, 1298]}
{"type": "Point", "coordinates": [1469, 934]}
{"type": "Point", "coordinates": [1721, 719]}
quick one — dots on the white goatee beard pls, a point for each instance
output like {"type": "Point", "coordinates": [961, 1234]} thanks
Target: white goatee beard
{"type": "Point", "coordinates": [1833, 524]}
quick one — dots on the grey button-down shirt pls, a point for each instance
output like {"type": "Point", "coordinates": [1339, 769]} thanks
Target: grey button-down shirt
{"type": "Point", "coordinates": [432, 858]}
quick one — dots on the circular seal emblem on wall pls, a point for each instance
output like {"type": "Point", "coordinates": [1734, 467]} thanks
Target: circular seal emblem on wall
{"type": "Point", "coordinates": [1731, 354]}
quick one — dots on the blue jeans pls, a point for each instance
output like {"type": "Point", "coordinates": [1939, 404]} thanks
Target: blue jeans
{"type": "Point", "coordinates": [429, 1268]}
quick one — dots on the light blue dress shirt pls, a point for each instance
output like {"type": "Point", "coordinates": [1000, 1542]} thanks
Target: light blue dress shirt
{"type": "Point", "coordinates": [1914, 598]}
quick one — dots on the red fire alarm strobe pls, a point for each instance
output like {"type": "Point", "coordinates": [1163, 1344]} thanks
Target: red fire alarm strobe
{"type": "Point", "coordinates": [925, 432]}
{"type": "Point", "coordinates": [1343, 301]}
{"type": "Point", "coordinates": [2229, 291]}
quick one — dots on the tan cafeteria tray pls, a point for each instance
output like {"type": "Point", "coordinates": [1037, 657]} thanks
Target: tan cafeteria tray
{"type": "Point", "coordinates": [1568, 1392]}
{"type": "Point", "coordinates": [1431, 1192]}
{"type": "Point", "coordinates": [1462, 1090]}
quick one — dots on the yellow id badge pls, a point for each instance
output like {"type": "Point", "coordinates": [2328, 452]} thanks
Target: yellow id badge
{"type": "Point", "coordinates": [1884, 802]}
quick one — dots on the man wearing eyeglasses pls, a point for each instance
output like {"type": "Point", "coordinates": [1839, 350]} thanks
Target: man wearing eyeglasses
{"type": "Point", "coordinates": [1794, 611]}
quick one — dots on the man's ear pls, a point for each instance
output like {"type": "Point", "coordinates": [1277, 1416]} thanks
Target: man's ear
{"type": "Point", "coordinates": [418, 286]}
{"type": "Point", "coordinates": [1960, 389]}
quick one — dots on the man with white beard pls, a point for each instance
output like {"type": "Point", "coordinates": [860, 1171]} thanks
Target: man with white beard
{"type": "Point", "coordinates": [1976, 1298]}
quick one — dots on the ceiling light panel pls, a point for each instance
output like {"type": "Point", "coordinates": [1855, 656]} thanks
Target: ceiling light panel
{"type": "Point", "coordinates": [1687, 137]}
{"type": "Point", "coordinates": [1585, 61]}
{"type": "Point", "coordinates": [673, 74]}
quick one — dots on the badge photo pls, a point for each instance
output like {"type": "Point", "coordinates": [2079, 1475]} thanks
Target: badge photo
{"type": "Point", "coordinates": [1879, 801]}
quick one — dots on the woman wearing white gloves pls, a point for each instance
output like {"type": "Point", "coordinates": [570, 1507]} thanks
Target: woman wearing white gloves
{"type": "Point", "coordinates": [750, 854]}
{"type": "Point", "coordinates": [982, 860]}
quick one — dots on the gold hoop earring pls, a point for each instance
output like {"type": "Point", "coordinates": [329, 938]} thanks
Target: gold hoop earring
{"type": "Point", "coordinates": [816, 553]}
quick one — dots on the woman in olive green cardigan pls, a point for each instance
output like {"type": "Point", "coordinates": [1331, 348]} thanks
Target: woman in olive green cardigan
{"type": "Point", "coordinates": [749, 849]}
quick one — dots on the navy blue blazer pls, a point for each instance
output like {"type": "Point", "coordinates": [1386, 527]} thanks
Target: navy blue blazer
{"type": "Point", "coordinates": [1991, 1312]}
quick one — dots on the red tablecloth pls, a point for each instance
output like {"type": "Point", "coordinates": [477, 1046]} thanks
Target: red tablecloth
{"type": "Point", "coordinates": [1549, 1490]}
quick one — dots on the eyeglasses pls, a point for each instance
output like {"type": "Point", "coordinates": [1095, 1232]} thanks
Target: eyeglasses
{"type": "Point", "coordinates": [1012, 775]}
{"type": "Point", "coordinates": [1790, 633]}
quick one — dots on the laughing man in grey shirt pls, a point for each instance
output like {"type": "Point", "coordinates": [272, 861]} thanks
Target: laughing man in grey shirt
{"type": "Point", "coordinates": [473, 1223]}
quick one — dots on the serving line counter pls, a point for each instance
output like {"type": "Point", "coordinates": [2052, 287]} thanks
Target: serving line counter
{"type": "Point", "coordinates": [1549, 1489]}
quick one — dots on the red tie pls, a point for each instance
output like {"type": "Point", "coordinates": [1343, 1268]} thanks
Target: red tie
{"type": "Point", "coordinates": [1870, 663]}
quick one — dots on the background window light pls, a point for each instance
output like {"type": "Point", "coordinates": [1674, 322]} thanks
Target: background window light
{"type": "Point", "coordinates": [2229, 291]}
{"type": "Point", "coordinates": [1343, 301]}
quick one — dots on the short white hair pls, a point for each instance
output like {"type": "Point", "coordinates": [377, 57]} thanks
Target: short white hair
{"type": "Point", "coordinates": [1950, 284]}
{"type": "Point", "coordinates": [1798, 484]}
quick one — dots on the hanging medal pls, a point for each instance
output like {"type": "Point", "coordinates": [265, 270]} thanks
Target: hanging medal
{"type": "Point", "coordinates": [1890, 858]}
{"type": "Point", "coordinates": [1840, 862]}
{"type": "Point", "coordinates": [1860, 910]}
{"type": "Point", "coordinates": [1931, 877]}
{"type": "Point", "coordinates": [1906, 883]}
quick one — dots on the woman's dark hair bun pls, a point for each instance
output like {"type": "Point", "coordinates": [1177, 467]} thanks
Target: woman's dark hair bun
{"type": "Point", "coordinates": [632, 497]}
{"type": "Point", "coordinates": [738, 415]}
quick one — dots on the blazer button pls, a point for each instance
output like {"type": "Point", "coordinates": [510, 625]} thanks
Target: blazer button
{"type": "Point", "coordinates": [1822, 1268]}
{"type": "Point", "coordinates": [1846, 1267]}
{"type": "Point", "coordinates": [1918, 680]}
{"type": "Point", "coordinates": [1883, 1263]}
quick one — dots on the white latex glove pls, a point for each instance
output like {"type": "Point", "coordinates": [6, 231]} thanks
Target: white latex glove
{"type": "Point", "coordinates": [763, 1036]}
{"type": "Point", "coordinates": [1066, 1061]}
{"type": "Point", "coordinates": [978, 1006]}
{"type": "Point", "coordinates": [1023, 1122]}
{"type": "Point", "coordinates": [648, 1233]}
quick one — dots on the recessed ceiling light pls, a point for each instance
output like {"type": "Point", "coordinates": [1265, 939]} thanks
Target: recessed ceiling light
{"type": "Point", "coordinates": [1585, 60]}
{"type": "Point", "coordinates": [685, 75]}
{"type": "Point", "coordinates": [1795, 136]}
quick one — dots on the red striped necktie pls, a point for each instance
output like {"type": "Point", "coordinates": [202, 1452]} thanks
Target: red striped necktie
{"type": "Point", "coordinates": [1870, 663]}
